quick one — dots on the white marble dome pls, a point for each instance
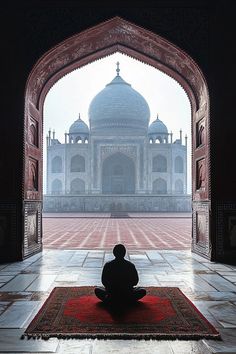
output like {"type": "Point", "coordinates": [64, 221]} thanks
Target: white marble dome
{"type": "Point", "coordinates": [79, 127]}
{"type": "Point", "coordinates": [119, 109]}
{"type": "Point", "coordinates": [157, 127]}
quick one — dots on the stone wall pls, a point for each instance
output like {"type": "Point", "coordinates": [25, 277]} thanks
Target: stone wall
{"type": "Point", "coordinates": [147, 203]}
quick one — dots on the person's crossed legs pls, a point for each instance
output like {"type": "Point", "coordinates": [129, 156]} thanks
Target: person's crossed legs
{"type": "Point", "coordinates": [134, 295]}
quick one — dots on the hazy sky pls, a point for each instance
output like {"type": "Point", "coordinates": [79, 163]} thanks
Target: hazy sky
{"type": "Point", "coordinates": [73, 93]}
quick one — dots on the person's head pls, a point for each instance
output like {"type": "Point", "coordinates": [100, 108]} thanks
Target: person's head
{"type": "Point", "coordinates": [119, 251]}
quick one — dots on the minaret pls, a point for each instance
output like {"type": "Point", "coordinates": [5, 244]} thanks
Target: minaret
{"type": "Point", "coordinates": [49, 136]}
{"type": "Point", "coordinates": [180, 136]}
{"type": "Point", "coordinates": [117, 69]}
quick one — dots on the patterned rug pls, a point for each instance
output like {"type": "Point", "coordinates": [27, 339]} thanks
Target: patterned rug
{"type": "Point", "coordinates": [75, 312]}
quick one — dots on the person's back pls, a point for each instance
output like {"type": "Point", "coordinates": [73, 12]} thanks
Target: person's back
{"type": "Point", "coordinates": [119, 277]}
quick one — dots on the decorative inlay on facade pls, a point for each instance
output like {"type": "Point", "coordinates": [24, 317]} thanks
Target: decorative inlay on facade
{"type": "Point", "coordinates": [33, 175]}
{"type": "Point", "coordinates": [129, 36]}
{"type": "Point", "coordinates": [33, 132]}
{"type": "Point", "coordinates": [32, 227]}
{"type": "Point", "coordinates": [108, 203]}
{"type": "Point", "coordinates": [130, 151]}
{"type": "Point", "coordinates": [201, 174]}
{"type": "Point", "coordinates": [201, 133]}
{"type": "Point", "coordinates": [201, 229]}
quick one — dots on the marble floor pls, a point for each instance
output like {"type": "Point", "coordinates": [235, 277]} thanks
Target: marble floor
{"type": "Point", "coordinates": [24, 286]}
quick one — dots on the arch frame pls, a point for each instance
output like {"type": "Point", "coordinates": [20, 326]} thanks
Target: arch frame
{"type": "Point", "coordinates": [119, 35]}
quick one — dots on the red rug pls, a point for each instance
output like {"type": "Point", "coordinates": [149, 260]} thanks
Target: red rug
{"type": "Point", "coordinates": [75, 312]}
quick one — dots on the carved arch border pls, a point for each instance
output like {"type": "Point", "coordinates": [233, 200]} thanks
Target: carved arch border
{"type": "Point", "coordinates": [106, 38]}
{"type": "Point", "coordinates": [116, 35]}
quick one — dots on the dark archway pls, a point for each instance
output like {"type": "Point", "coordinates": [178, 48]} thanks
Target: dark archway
{"type": "Point", "coordinates": [118, 35]}
{"type": "Point", "coordinates": [159, 163]}
{"type": "Point", "coordinates": [159, 186]}
{"type": "Point", "coordinates": [56, 187]}
{"type": "Point", "coordinates": [77, 186]}
{"type": "Point", "coordinates": [56, 164]}
{"type": "Point", "coordinates": [77, 164]}
{"type": "Point", "coordinates": [179, 164]}
{"type": "Point", "coordinates": [118, 175]}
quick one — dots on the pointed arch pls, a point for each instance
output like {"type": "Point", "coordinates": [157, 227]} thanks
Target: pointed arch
{"type": "Point", "coordinates": [56, 187]}
{"type": "Point", "coordinates": [56, 165]}
{"type": "Point", "coordinates": [77, 164]}
{"type": "Point", "coordinates": [159, 163]}
{"type": "Point", "coordinates": [119, 35]}
{"type": "Point", "coordinates": [77, 186]}
{"type": "Point", "coordinates": [118, 175]}
{"type": "Point", "coordinates": [159, 186]}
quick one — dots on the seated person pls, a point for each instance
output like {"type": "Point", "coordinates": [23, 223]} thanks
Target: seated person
{"type": "Point", "coordinates": [119, 277]}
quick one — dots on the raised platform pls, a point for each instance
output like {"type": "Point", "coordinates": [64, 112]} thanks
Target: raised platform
{"type": "Point", "coordinates": [111, 203]}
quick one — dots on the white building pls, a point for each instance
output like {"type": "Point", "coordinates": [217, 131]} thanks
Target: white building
{"type": "Point", "coordinates": [120, 161]}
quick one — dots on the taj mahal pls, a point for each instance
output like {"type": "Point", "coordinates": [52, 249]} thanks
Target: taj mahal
{"type": "Point", "coordinates": [120, 162]}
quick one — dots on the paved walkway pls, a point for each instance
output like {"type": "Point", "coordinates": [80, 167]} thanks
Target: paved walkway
{"type": "Point", "coordinates": [140, 231]}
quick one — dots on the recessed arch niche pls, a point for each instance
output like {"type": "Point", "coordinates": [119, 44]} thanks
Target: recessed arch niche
{"type": "Point", "coordinates": [119, 35]}
{"type": "Point", "coordinates": [118, 175]}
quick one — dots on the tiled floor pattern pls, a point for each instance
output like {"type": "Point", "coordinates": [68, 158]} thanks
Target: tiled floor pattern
{"type": "Point", "coordinates": [26, 285]}
{"type": "Point", "coordinates": [69, 232]}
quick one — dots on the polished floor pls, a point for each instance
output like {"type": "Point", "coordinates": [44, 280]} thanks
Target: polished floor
{"type": "Point", "coordinates": [25, 286]}
{"type": "Point", "coordinates": [100, 231]}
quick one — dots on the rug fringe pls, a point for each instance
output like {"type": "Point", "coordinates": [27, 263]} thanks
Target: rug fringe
{"type": "Point", "coordinates": [121, 336]}
{"type": "Point", "coordinates": [205, 330]}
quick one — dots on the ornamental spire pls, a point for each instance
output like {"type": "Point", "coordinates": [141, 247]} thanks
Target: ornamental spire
{"type": "Point", "coordinates": [118, 69]}
{"type": "Point", "coordinates": [79, 117]}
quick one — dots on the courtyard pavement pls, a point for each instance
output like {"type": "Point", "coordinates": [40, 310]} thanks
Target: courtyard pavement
{"type": "Point", "coordinates": [100, 231]}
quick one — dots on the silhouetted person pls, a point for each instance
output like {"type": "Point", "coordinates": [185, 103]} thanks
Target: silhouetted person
{"type": "Point", "coordinates": [119, 277]}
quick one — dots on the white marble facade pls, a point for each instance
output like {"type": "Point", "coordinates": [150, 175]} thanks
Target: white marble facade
{"type": "Point", "coordinates": [120, 153]}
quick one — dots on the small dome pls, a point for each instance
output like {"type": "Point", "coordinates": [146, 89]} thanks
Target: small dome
{"type": "Point", "coordinates": [157, 127]}
{"type": "Point", "coordinates": [79, 127]}
{"type": "Point", "coordinates": [119, 109]}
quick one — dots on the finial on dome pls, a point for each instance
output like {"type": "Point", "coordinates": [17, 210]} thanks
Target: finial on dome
{"type": "Point", "coordinates": [118, 69]}
{"type": "Point", "coordinates": [79, 117]}
{"type": "Point", "coordinates": [157, 116]}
